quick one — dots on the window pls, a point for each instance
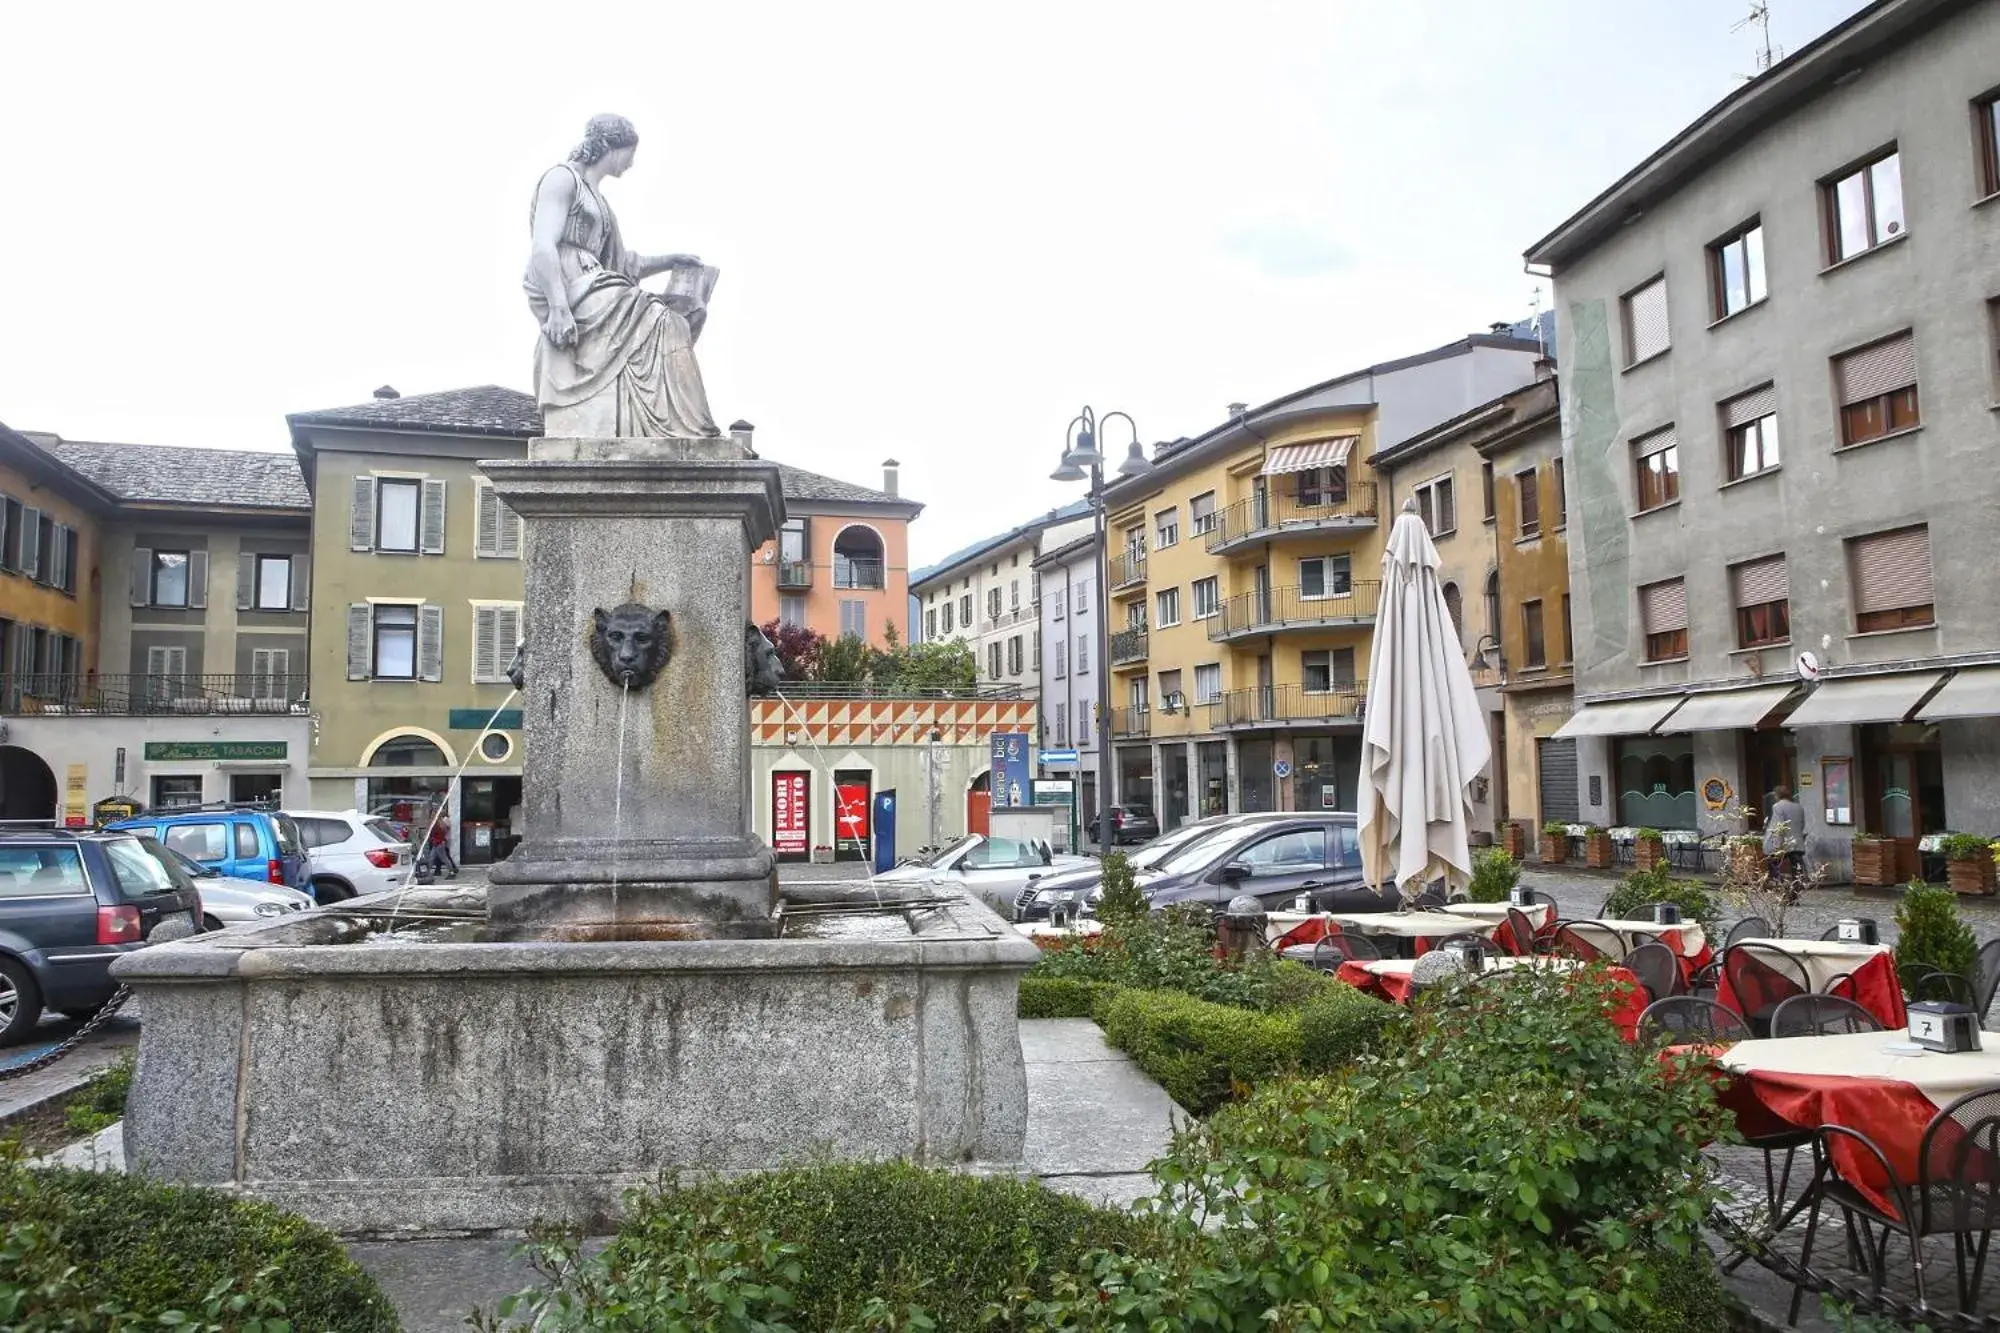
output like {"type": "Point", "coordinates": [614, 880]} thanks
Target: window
{"type": "Point", "coordinates": [1657, 458]}
{"type": "Point", "coordinates": [1325, 576]}
{"type": "Point", "coordinates": [1486, 495]}
{"type": "Point", "coordinates": [1014, 595]}
{"type": "Point", "coordinates": [993, 604]}
{"type": "Point", "coordinates": [1316, 486]}
{"type": "Point", "coordinates": [1993, 349]}
{"type": "Point", "coordinates": [165, 666]}
{"type": "Point", "coordinates": [947, 617]}
{"type": "Point", "coordinates": [396, 506]}
{"type": "Point", "coordinates": [1201, 513]}
{"type": "Point", "coordinates": [1058, 605]}
{"type": "Point", "coordinates": [1014, 664]}
{"type": "Point", "coordinates": [1135, 695]}
{"type": "Point", "coordinates": [170, 578]}
{"type": "Point", "coordinates": [177, 793]}
{"type": "Point", "coordinates": [274, 583]}
{"type": "Point", "coordinates": [1645, 321]}
{"type": "Point", "coordinates": [1167, 606]}
{"type": "Point", "coordinates": [1081, 602]}
{"type": "Point", "coordinates": [1062, 659]}
{"type": "Point", "coordinates": [1891, 574]}
{"type": "Point", "coordinates": [1062, 724]}
{"type": "Point", "coordinates": [1569, 643]}
{"type": "Point", "coordinates": [1291, 853]}
{"type": "Point", "coordinates": [930, 618]}
{"type": "Point", "coordinates": [1170, 689]}
{"type": "Point", "coordinates": [1736, 270]}
{"type": "Point", "coordinates": [1531, 503]}
{"type": "Point", "coordinates": [1535, 646]}
{"type": "Point", "coordinates": [395, 642]}
{"type": "Point", "coordinates": [1135, 614]}
{"type": "Point", "coordinates": [496, 632]}
{"type": "Point", "coordinates": [1082, 654]}
{"type": "Point", "coordinates": [854, 618]}
{"type": "Point", "coordinates": [1166, 529]}
{"type": "Point", "coordinates": [1877, 386]}
{"type": "Point", "coordinates": [1437, 506]}
{"type": "Point", "coordinates": [794, 544]}
{"type": "Point", "coordinates": [1762, 593]}
{"type": "Point", "coordinates": [1864, 207]}
{"type": "Point", "coordinates": [993, 661]}
{"type": "Point", "coordinates": [1986, 134]}
{"type": "Point", "coordinates": [1208, 682]}
{"type": "Point", "coordinates": [965, 611]}
{"type": "Point", "coordinates": [1327, 671]}
{"type": "Point", "coordinates": [1207, 597]}
{"type": "Point", "coordinates": [1562, 493]}
{"type": "Point", "coordinates": [1663, 610]}
{"type": "Point", "coordinates": [498, 530]}
{"type": "Point", "coordinates": [792, 613]}
{"type": "Point", "coordinates": [1750, 433]}
{"type": "Point", "coordinates": [270, 673]}
{"type": "Point", "coordinates": [1454, 606]}
{"type": "Point", "coordinates": [199, 842]}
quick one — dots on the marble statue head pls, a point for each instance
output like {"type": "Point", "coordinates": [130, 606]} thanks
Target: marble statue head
{"type": "Point", "coordinates": [631, 643]}
{"type": "Point", "coordinates": [606, 135]}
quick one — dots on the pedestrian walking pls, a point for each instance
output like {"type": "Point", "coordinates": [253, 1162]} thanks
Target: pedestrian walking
{"type": "Point", "coordinates": [437, 856]}
{"type": "Point", "coordinates": [1784, 829]}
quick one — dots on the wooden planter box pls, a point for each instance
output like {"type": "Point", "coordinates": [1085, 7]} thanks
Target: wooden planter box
{"type": "Point", "coordinates": [1649, 853]}
{"type": "Point", "coordinates": [1746, 862]}
{"type": "Point", "coordinates": [1599, 852]}
{"type": "Point", "coordinates": [822, 856]}
{"type": "Point", "coordinates": [1514, 840]}
{"type": "Point", "coordinates": [1974, 876]}
{"type": "Point", "coordinates": [1554, 850]}
{"type": "Point", "coordinates": [1875, 863]}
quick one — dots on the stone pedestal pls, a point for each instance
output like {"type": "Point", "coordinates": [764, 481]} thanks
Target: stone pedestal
{"type": "Point", "coordinates": [642, 823]}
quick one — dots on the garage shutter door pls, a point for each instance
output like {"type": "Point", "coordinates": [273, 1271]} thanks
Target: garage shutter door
{"type": "Point", "coordinates": [1558, 780]}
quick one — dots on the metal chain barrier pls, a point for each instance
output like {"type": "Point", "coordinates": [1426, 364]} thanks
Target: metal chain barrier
{"type": "Point", "coordinates": [71, 1042]}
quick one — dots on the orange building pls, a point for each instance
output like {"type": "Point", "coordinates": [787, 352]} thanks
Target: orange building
{"type": "Point", "coordinates": [841, 564]}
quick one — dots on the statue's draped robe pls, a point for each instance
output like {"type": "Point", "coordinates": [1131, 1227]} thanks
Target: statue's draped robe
{"type": "Point", "coordinates": [628, 342]}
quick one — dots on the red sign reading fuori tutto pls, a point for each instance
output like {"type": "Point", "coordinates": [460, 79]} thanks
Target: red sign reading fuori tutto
{"type": "Point", "coordinates": [791, 814]}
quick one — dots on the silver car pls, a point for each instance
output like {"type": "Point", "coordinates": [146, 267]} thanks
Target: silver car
{"type": "Point", "coordinates": [995, 869]}
{"type": "Point", "coordinates": [226, 901]}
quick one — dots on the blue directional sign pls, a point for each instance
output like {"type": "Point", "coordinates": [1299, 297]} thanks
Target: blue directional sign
{"type": "Point", "coordinates": [1058, 758]}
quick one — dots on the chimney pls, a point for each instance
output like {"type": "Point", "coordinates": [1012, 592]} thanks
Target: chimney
{"type": "Point", "coordinates": [387, 391]}
{"type": "Point", "coordinates": [740, 431]}
{"type": "Point", "coordinates": [1500, 328]}
{"type": "Point", "coordinates": [889, 469]}
{"type": "Point", "coordinates": [1238, 410]}
{"type": "Point", "coordinates": [1545, 367]}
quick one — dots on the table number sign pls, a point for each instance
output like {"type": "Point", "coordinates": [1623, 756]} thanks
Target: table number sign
{"type": "Point", "coordinates": [1666, 914]}
{"type": "Point", "coordinates": [1858, 930]}
{"type": "Point", "coordinates": [1470, 956]}
{"type": "Point", "coordinates": [1937, 1025]}
{"type": "Point", "coordinates": [1520, 897]}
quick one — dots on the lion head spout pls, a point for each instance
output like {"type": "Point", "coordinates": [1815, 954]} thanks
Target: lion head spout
{"type": "Point", "coordinates": [631, 643]}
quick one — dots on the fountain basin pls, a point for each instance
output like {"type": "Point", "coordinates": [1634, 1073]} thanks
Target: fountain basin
{"type": "Point", "coordinates": [437, 1078]}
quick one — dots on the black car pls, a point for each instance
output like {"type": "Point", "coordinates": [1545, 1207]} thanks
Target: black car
{"type": "Point", "coordinates": [1080, 888]}
{"type": "Point", "coordinates": [71, 903]}
{"type": "Point", "coordinates": [1314, 856]}
{"type": "Point", "coordinates": [1133, 822]}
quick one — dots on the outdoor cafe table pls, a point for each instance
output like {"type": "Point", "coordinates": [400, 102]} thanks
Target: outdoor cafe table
{"type": "Point", "coordinates": [1685, 938]}
{"type": "Point", "coordinates": [1869, 971]}
{"type": "Point", "coordinates": [1538, 914]}
{"type": "Point", "coordinates": [1389, 978]}
{"type": "Point", "coordinates": [1866, 1081]}
{"type": "Point", "coordinates": [1044, 934]}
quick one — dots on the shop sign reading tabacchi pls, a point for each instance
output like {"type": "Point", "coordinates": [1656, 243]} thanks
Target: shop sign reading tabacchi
{"type": "Point", "coordinates": [183, 751]}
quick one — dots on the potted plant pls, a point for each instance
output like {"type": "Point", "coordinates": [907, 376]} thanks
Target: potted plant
{"type": "Point", "coordinates": [1968, 862]}
{"type": "Point", "coordinates": [1649, 849]}
{"type": "Point", "coordinates": [1874, 860]}
{"type": "Point", "coordinates": [1932, 937]}
{"type": "Point", "coordinates": [1514, 839]}
{"type": "Point", "coordinates": [822, 855]}
{"type": "Point", "coordinates": [1555, 842]}
{"type": "Point", "coordinates": [1494, 874]}
{"type": "Point", "coordinates": [1599, 853]}
{"type": "Point", "coordinates": [1746, 856]}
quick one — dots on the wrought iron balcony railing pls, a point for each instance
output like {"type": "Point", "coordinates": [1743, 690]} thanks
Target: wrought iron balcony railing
{"type": "Point", "coordinates": [1127, 568]}
{"type": "Point", "coordinates": [857, 573]}
{"type": "Point", "coordinates": [1131, 721]}
{"type": "Point", "coordinates": [1261, 517]}
{"type": "Point", "coordinates": [1276, 610]}
{"type": "Point", "coordinates": [146, 696]}
{"type": "Point", "coordinates": [794, 575]}
{"type": "Point", "coordinates": [1128, 646]}
{"type": "Point", "coordinates": [1279, 705]}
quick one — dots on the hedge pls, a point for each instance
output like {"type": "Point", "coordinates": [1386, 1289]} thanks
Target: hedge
{"type": "Point", "coordinates": [1060, 997]}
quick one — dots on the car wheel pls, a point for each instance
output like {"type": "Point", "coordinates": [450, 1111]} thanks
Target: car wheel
{"type": "Point", "coordinates": [20, 1002]}
{"type": "Point", "coordinates": [326, 891]}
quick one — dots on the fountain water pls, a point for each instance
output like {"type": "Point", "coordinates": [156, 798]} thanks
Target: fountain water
{"type": "Point", "coordinates": [618, 789]}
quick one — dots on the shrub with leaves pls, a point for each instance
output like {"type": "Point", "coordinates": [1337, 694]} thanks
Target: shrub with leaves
{"type": "Point", "coordinates": [1121, 900]}
{"type": "Point", "coordinates": [100, 1103]}
{"type": "Point", "coordinates": [1931, 937]}
{"type": "Point", "coordinates": [1494, 874]}
{"type": "Point", "coordinates": [1638, 891]}
{"type": "Point", "coordinates": [1060, 997]}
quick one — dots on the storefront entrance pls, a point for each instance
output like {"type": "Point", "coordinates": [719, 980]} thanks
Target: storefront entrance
{"type": "Point", "coordinates": [1902, 789]}
{"type": "Point", "coordinates": [1770, 761]}
{"type": "Point", "coordinates": [1174, 762]}
{"type": "Point", "coordinates": [27, 787]}
{"type": "Point", "coordinates": [488, 819]}
{"type": "Point", "coordinates": [1259, 792]}
{"type": "Point", "coordinates": [1326, 772]}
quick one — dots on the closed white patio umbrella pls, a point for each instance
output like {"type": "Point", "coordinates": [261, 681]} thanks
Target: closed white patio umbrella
{"type": "Point", "coordinates": [1423, 736]}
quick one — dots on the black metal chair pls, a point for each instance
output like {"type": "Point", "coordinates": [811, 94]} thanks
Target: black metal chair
{"type": "Point", "coordinates": [1956, 1193]}
{"type": "Point", "coordinates": [1935, 984]}
{"type": "Point", "coordinates": [1567, 943]}
{"type": "Point", "coordinates": [1658, 970]}
{"type": "Point", "coordinates": [1607, 942]}
{"type": "Point", "coordinates": [1604, 908]}
{"type": "Point", "coordinates": [1535, 898]}
{"type": "Point", "coordinates": [1749, 928]}
{"type": "Point", "coordinates": [1763, 978]}
{"type": "Point", "coordinates": [1707, 980]}
{"type": "Point", "coordinates": [1989, 975]}
{"type": "Point", "coordinates": [1821, 1016]}
{"type": "Point", "coordinates": [1311, 956]}
{"type": "Point", "coordinates": [1689, 1019]}
{"type": "Point", "coordinates": [1522, 928]}
{"type": "Point", "coordinates": [1464, 937]}
{"type": "Point", "coordinates": [1351, 948]}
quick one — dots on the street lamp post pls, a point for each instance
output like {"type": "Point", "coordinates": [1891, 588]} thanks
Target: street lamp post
{"type": "Point", "coordinates": [1082, 458]}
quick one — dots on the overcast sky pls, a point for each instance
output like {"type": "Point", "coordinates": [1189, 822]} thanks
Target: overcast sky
{"type": "Point", "coordinates": [941, 228]}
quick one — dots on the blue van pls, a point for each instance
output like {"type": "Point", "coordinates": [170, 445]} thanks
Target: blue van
{"type": "Point", "coordinates": [239, 841]}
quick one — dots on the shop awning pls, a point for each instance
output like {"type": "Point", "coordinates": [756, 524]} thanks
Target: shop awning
{"type": "Point", "coordinates": [1973, 692]}
{"type": "Point", "coordinates": [1887, 698]}
{"type": "Point", "coordinates": [1627, 717]}
{"type": "Point", "coordinates": [1304, 457]}
{"type": "Point", "coordinates": [1728, 710]}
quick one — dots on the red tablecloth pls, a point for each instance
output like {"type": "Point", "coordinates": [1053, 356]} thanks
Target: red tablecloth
{"type": "Point", "coordinates": [1396, 988]}
{"type": "Point", "coordinates": [1873, 985]}
{"type": "Point", "coordinates": [1892, 1113]}
{"type": "Point", "coordinates": [1310, 931]}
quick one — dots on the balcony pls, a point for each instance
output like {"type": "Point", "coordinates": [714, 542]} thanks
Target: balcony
{"type": "Point", "coordinates": [151, 696]}
{"type": "Point", "coordinates": [794, 575]}
{"type": "Point", "coordinates": [849, 573]}
{"type": "Point", "coordinates": [1131, 721]}
{"type": "Point", "coordinates": [1128, 647]}
{"type": "Point", "coordinates": [1276, 517]}
{"type": "Point", "coordinates": [1289, 705]}
{"type": "Point", "coordinates": [1128, 569]}
{"type": "Point", "coordinates": [1288, 610]}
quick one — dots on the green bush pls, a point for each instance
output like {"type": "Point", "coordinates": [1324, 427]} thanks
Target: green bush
{"type": "Point", "coordinates": [1121, 899]}
{"type": "Point", "coordinates": [1339, 1025]}
{"type": "Point", "coordinates": [1201, 1053]}
{"type": "Point", "coordinates": [1932, 937]}
{"type": "Point", "coordinates": [100, 1103]}
{"type": "Point", "coordinates": [1965, 846]}
{"type": "Point", "coordinates": [1555, 828]}
{"type": "Point", "coordinates": [1642, 888]}
{"type": "Point", "coordinates": [1170, 950]}
{"type": "Point", "coordinates": [824, 1248]}
{"type": "Point", "coordinates": [76, 1244]}
{"type": "Point", "coordinates": [1060, 997]}
{"type": "Point", "coordinates": [1494, 873]}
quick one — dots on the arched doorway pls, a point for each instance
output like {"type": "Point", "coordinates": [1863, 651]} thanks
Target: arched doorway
{"type": "Point", "coordinates": [27, 787]}
{"type": "Point", "coordinates": [404, 797]}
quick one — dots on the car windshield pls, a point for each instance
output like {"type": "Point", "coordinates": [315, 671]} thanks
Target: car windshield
{"type": "Point", "coordinates": [1202, 851]}
{"type": "Point", "coordinates": [944, 857]}
{"type": "Point", "coordinates": [138, 873]}
{"type": "Point", "coordinates": [1164, 846]}
{"type": "Point", "coordinates": [178, 867]}
{"type": "Point", "coordinates": [382, 829]}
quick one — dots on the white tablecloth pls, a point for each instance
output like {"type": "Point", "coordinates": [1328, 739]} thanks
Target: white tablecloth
{"type": "Point", "coordinates": [1042, 930]}
{"type": "Point", "coordinates": [1824, 960]}
{"type": "Point", "coordinates": [1692, 938]}
{"type": "Point", "coordinates": [1538, 915]}
{"type": "Point", "coordinates": [1941, 1078]}
{"type": "Point", "coordinates": [1400, 967]}
{"type": "Point", "coordinates": [1411, 925]}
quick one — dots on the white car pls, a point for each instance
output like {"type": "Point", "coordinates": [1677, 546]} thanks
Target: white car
{"type": "Point", "coordinates": [349, 854]}
{"type": "Point", "coordinates": [996, 869]}
{"type": "Point", "coordinates": [227, 901]}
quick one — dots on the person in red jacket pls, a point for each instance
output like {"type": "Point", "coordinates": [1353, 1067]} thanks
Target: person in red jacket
{"type": "Point", "coordinates": [437, 856]}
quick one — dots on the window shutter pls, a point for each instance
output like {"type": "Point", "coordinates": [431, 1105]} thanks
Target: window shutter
{"type": "Point", "coordinates": [260, 673]}
{"type": "Point", "coordinates": [198, 579]}
{"type": "Point", "coordinates": [430, 639]}
{"type": "Point", "coordinates": [433, 517]}
{"type": "Point", "coordinates": [506, 638]}
{"type": "Point", "coordinates": [177, 663]}
{"type": "Point", "coordinates": [69, 565]}
{"type": "Point", "coordinates": [142, 576]}
{"type": "Point", "coordinates": [301, 582]}
{"type": "Point", "coordinates": [485, 637]}
{"type": "Point", "coordinates": [361, 524]}
{"type": "Point", "coordinates": [246, 580]}
{"type": "Point", "coordinates": [486, 521]}
{"type": "Point", "coordinates": [5, 556]}
{"type": "Point", "coordinates": [156, 659]}
{"type": "Point", "coordinates": [1649, 445]}
{"type": "Point", "coordinates": [58, 547]}
{"type": "Point", "coordinates": [1646, 320]}
{"type": "Point", "coordinates": [1870, 372]}
{"type": "Point", "coordinates": [360, 640]}
{"type": "Point", "coordinates": [31, 543]}
{"type": "Point", "coordinates": [1664, 606]}
{"type": "Point", "coordinates": [1892, 570]}
{"type": "Point", "coordinates": [1762, 581]}
{"type": "Point", "coordinates": [510, 530]}
{"type": "Point", "coordinates": [1752, 406]}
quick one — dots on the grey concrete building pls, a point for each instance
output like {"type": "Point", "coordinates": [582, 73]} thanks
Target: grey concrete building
{"type": "Point", "coordinates": [1778, 339]}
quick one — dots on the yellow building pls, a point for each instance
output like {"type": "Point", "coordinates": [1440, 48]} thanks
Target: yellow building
{"type": "Point", "coordinates": [1244, 573]}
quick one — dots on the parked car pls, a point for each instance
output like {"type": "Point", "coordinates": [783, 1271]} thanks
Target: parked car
{"type": "Point", "coordinates": [996, 869]}
{"type": "Point", "coordinates": [1133, 822]}
{"type": "Point", "coordinates": [1083, 886]}
{"type": "Point", "coordinates": [71, 903]}
{"type": "Point", "coordinates": [224, 901]}
{"type": "Point", "coordinates": [350, 854]}
{"type": "Point", "coordinates": [240, 841]}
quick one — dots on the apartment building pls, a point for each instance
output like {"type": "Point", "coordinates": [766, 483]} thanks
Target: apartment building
{"type": "Point", "coordinates": [1780, 341]}
{"type": "Point", "coordinates": [1069, 638]}
{"type": "Point", "coordinates": [1245, 571]}
{"type": "Point", "coordinates": [985, 595]}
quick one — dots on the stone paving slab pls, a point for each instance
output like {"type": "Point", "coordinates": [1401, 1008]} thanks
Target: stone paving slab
{"type": "Point", "coordinates": [106, 1047]}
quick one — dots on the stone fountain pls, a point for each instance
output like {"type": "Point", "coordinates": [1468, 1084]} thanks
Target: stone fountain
{"type": "Point", "coordinates": [633, 995]}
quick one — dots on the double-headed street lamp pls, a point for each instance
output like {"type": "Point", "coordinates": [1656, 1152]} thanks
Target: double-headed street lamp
{"type": "Point", "coordinates": [1082, 458]}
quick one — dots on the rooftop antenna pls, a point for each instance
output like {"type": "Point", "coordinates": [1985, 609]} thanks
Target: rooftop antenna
{"type": "Point", "coordinates": [1535, 319]}
{"type": "Point", "coordinates": [1759, 17]}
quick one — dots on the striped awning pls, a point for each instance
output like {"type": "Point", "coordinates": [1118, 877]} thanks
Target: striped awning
{"type": "Point", "coordinates": [1305, 457]}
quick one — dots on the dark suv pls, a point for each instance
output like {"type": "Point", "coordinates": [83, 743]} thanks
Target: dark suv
{"type": "Point", "coordinates": [1315, 856]}
{"type": "Point", "coordinates": [70, 903]}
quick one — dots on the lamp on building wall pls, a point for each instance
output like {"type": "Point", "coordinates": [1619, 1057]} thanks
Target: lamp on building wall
{"type": "Point", "coordinates": [1083, 458]}
{"type": "Point", "coordinates": [1480, 662]}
